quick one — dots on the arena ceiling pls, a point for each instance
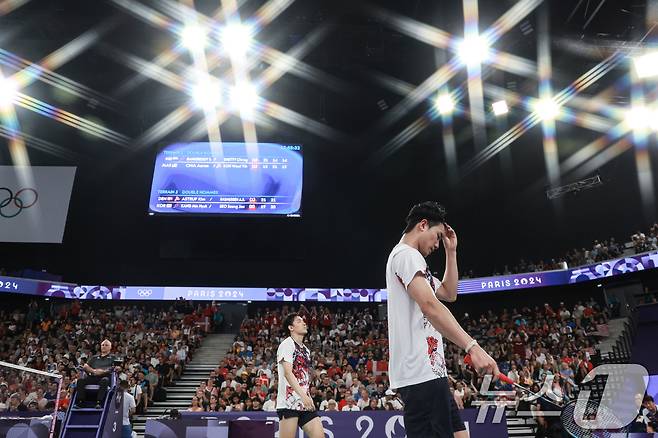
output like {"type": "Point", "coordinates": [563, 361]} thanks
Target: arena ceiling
{"type": "Point", "coordinates": [363, 85]}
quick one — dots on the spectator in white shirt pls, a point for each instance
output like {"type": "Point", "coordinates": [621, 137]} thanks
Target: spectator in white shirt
{"type": "Point", "coordinates": [393, 399]}
{"type": "Point", "coordinates": [350, 406]}
{"type": "Point", "coordinates": [229, 382]}
{"type": "Point", "coordinates": [135, 390]}
{"type": "Point", "coordinates": [364, 400]}
{"type": "Point", "coordinates": [513, 374]}
{"type": "Point", "coordinates": [181, 355]}
{"type": "Point", "coordinates": [458, 395]}
{"type": "Point", "coordinates": [264, 369]}
{"type": "Point", "coordinates": [270, 404]}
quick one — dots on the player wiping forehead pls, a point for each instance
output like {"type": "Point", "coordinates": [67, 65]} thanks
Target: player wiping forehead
{"type": "Point", "coordinates": [418, 321]}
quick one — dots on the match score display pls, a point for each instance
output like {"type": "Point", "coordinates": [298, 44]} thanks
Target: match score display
{"type": "Point", "coordinates": [228, 179]}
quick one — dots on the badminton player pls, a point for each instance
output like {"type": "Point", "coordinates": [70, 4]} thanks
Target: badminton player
{"type": "Point", "coordinates": [294, 405]}
{"type": "Point", "coordinates": [418, 321]}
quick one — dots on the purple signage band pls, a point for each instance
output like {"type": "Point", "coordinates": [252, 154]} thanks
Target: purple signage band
{"type": "Point", "coordinates": [364, 424]}
{"type": "Point", "coordinates": [29, 287]}
{"type": "Point", "coordinates": [597, 271]}
{"type": "Point", "coordinates": [594, 272]}
{"type": "Point", "coordinates": [515, 281]}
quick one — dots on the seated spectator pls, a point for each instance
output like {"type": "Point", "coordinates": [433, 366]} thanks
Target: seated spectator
{"type": "Point", "coordinates": [350, 404]}
{"type": "Point", "coordinates": [270, 404]}
{"type": "Point", "coordinates": [364, 399]}
{"type": "Point", "coordinates": [196, 405]}
{"type": "Point", "coordinates": [332, 406]}
{"type": "Point", "coordinates": [15, 404]}
{"type": "Point", "coordinates": [393, 399]}
{"type": "Point", "coordinates": [373, 405]}
{"type": "Point", "coordinates": [135, 390]}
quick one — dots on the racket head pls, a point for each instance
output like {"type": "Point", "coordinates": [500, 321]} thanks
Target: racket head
{"type": "Point", "coordinates": [568, 420]}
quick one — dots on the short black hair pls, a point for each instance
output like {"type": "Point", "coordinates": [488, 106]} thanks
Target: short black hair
{"type": "Point", "coordinates": [434, 212]}
{"type": "Point", "coordinates": [289, 320]}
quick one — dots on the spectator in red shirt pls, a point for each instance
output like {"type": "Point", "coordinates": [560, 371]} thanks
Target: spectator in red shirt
{"type": "Point", "coordinates": [313, 319]}
{"type": "Point", "coordinates": [326, 319]}
{"type": "Point", "coordinates": [334, 369]}
{"type": "Point", "coordinates": [588, 312]}
{"type": "Point", "coordinates": [518, 346]}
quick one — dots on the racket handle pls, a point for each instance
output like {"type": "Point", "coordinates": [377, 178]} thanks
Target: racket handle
{"type": "Point", "coordinates": [501, 376]}
{"type": "Point", "coordinates": [505, 379]}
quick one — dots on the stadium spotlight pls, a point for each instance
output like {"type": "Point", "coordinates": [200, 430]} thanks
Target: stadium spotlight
{"type": "Point", "coordinates": [547, 109]}
{"type": "Point", "coordinates": [444, 104]}
{"type": "Point", "coordinates": [646, 65]}
{"type": "Point", "coordinates": [500, 108]}
{"type": "Point", "coordinates": [244, 98]}
{"type": "Point", "coordinates": [8, 91]}
{"type": "Point", "coordinates": [640, 118]}
{"type": "Point", "coordinates": [207, 94]}
{"type": "Point", "coordinates": [236, 38]}
{"type": "Point", "coordinates": [193, 37]}
{"type": "Point", "coordinates": [473, 50]}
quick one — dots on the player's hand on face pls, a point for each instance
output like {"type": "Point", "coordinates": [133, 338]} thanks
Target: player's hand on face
{"type": "Point", "coordinates": [308, 403]}
{"type": "Point", "coordinates": [483, 363]}
{"type": "Point", "coordinates": [449, 239]}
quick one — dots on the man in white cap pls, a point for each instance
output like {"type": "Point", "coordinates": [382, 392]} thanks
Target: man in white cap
{"type": "Point", "coordinates": [393, 399]}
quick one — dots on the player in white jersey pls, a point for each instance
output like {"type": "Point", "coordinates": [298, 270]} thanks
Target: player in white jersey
{"type": "Point", "coordinates": [294, 405]}
{"type": "Point", "coordinates": [418, 321]}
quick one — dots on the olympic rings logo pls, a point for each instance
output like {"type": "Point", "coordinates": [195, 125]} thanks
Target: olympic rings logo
{"type": "Point", "coordinates": [14, 203]}
{"type": "Point", "coordinates": [144, 292]}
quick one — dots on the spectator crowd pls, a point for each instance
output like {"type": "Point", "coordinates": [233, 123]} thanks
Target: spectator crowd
{"type": "Point", "coordinates": [349, 353]}
{"type": "Point", "coordinates": [600, 250]}
{"type": "Point", "coordinates": [549, 345]}
{"type": "Point", "coordinates": [59, 336]}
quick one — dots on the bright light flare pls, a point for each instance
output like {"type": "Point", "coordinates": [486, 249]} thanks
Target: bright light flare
{"type": "Point", "coordinates": [473, 50]}
{"type": "Point", "coordinates": [547, 109]}
{"type": "Point", "coordinates": [641, 118]}
{"type": "Point", "coordinates": [646, 65]}
{"type": "Point", "coordinates": [207, 94]}
{"type": "Point", "coordinates": [193, 37]}
{"type": "Point", "coordinates": [500, 108]}
{"type": "Point", "coordinates": [236, 38]}
{"type": "Point", "coordinates": [244, 98]}
{"type": "Point", "coordinates": [444, 104]}
{"type": "Point", "coordinates": [8, 90]}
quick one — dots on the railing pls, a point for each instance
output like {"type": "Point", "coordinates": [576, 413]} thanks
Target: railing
{"type": "Point", "coordinates": [623, 348]}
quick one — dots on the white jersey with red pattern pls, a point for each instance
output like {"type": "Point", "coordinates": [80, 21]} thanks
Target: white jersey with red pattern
{"type": "Point", "coordinates": [300, 357]}
{"type": "Point", "coordinates": [433, 336]}
{"type": "Point", "coordinates": [415, 346]}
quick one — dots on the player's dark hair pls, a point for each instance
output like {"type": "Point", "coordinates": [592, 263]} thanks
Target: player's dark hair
{"type": "Point", "coordinates": [434, 212]}
{"type": "Point", "coordinates": [289, 320]}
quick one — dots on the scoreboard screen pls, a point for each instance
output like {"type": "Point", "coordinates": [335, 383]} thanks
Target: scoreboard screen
{"type": "Point", "coordinates": [260, 179]}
